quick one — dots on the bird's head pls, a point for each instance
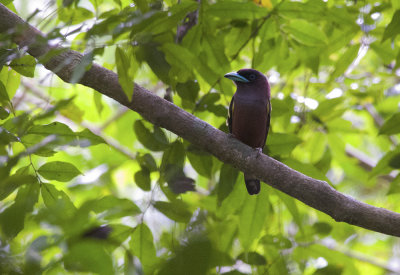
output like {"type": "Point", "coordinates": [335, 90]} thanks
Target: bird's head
{"type": "Point", "coordinates": [249, 79]}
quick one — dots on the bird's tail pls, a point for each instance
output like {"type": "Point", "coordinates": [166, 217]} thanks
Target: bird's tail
{"type": "Point", "coordinates": [252, 184]}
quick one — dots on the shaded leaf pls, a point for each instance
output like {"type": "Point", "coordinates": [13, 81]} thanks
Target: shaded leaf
{"type": "Point", "coordinates": [391, 126]}
{"type": "Point", "coordinates": [88, 256]}
{"type": "Point", "coordinates": [142, 179]}
{"type": "Point", "coordinates": [12, 218]}
{"type": "Point", "coordinates": [80, 69]}
{"type": "Point", "coordinates": [393, 29]}
{"type": "Point", "coordinates": [322, 228]}
{"type": "Point", "coordinates": [227, 179]}
{"type": "Point", "coordinates": [252, 258]}
{"type": "Point", "coordinates": [176, 210]}
{"type": "Point", "coordinates": [155, 141]}
{"type": "Point", "coordinates": [10, 184]}
{"type": "Point", "coordinates": [181, 184]}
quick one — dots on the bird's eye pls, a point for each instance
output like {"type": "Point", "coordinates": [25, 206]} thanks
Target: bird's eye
{"type": "Point", "coordinates": [252, 77]}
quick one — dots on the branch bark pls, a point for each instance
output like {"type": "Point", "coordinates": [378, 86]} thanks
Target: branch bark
{"type": "Point", "coordinates": [315, 193]}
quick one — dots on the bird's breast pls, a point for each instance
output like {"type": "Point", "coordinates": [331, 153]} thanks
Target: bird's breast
{"type": "Point", "coordinates": [249, 121]}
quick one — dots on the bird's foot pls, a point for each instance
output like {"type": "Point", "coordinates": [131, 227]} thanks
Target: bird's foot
{"type": "Point", "coordinates": [259, 152]}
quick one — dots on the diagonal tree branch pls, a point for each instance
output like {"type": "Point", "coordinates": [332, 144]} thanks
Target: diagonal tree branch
{"type": "Point", "coordinates": [315, 193]}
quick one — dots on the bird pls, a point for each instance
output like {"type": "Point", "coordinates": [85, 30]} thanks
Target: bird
{"type": "Point", "coordinates": [249, 114]}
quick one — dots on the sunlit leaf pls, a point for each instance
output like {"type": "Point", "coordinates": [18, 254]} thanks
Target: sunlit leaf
{"type": "Point", "coordinates": [122, 62]}
{"type": "Point", "coordinates": [58, 170]}
{"type": "Point", "coordinates": [305, 33]}
{"type": "Point", "coordinates": [280, 144]}
{"type": "Point", "coordinates": [236, 10]}
{"type": "Point", "coordinates": [24, 65]}
{"type": "Point", "coordinates": [142, 246]}
{"type": "Point", "coordinates": [252, 217]}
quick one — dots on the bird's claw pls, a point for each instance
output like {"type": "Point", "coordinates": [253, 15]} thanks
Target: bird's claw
{"type": "Point", "coordinates": [259, 152]}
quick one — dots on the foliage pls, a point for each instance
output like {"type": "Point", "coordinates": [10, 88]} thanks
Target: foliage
{"type": "Point", "coordinates": [86, 186]}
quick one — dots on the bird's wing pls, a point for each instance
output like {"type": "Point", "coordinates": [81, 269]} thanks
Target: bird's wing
{"type": "Point", "coordinates": [268, 120]}
{"type": "Point", "coordinates": [229, 119]}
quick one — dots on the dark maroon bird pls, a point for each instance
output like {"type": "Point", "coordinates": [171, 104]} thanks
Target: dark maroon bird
{"type": "Point", "coordinates": [249, 114]}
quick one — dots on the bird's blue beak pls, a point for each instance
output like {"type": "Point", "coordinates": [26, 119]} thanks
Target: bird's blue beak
{"type": "Point", "coordinates": [236, 77]}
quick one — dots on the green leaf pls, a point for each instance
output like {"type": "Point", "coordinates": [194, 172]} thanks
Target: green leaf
{"type": "Point", "coordinates": [11, 80]}
{"type": "Point", "coordinates": [202, 162]}
{"type": "Point", "coordinates": [188, 90]}
{"type": "Point", "coordinates": [80, 69]}
{"type": "Point", "coordinates": [306, 33]}
{"type": "Point", "coordinates": [142, 179]}
{"type": "Point", "coordinates": [87, 135]}
{"type": "Point", "coordinates": [142, 246]}
{"type": "Point", "coordinates": [391, 126]}
{"type": "Point", "coordinates": [305, 168]}
{"type": "Point", "coordinates": [98, 102]}
{"type": "Point", "coordinates": [252, 217]}
{"type": "Point", "coordinates": [148, 162]}
{"type": "Point", "coordinates": [345, 60]}
{"type": "Point", "coordinates": [182, 262]}
{"type": "Point", "coordinates": [111, 207]}
{"type": "Point", "coordinates": [393, 29]}
{"type": "Point", "coordinates": [394, 162]}
{"type": "Point", "coordinates": [252, 258]}
{"type": "Point", "coordinates": [181, 61]}
{"type": "Point", "coordinates": [281, 144]}
{"type": "Point", "coordinates": [155, 141]}
{"type": "Point", "coordinates": [55, 128]}
{"type": "Point", "coordinates": [227, 179]}
{"type": "Point", "coordinates": [59, 170]}
{"type": "Point", "coordinates": [322, 228]}
{"type": "Point", "coordinates": [3, 94]}
{"type": "Point", "coordinates": [229, 10]}
{"type": "Point", "coordinates": [10, 184]}
{"type": "Point", "coordinates": [74, 15]}
{"type": "Point", "coordinates": [123, 66]}
{"type": "Point", "coordinates": [277, 241]}
{"type": "Point", "coordinates": [4, 113]}
{"type": "Point", "coordinates": [156, 60]}
{"type": "Point", "coordinates": [24, 65]}
{"type": "Point", "coordinates": [88, 256]}
{"type": "Point", "coordinates": [59, 207]}
{"type": "Point", "coordinates": [384, 50]}
{"type": "Point", "coordinates": [6, 137]}
{"type": "Point", "coordinates": [176, 210]}
{"type": "Point", "coordinates": [12, 219]}
{"type": "Point", "coordinates": [290, 204]}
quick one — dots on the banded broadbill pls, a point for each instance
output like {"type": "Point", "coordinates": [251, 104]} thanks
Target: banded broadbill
{"type": "Point", "coordinates": [249, 114]}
